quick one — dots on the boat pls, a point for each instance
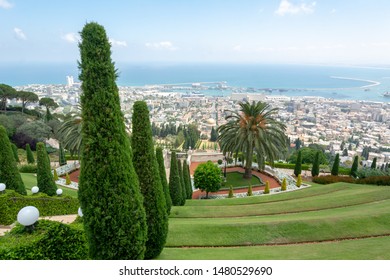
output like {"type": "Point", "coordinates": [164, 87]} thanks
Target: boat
{"type": "Point", "coordinates": [386, 94]}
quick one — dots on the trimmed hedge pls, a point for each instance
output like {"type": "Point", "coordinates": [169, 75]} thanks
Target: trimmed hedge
{"type": "Point", "coordinates": [11, 202]}
{"type": "Point", "coordinates": [290, 165]}
{"type": "Point", "coordinates": [49, 241]}
{"type": "Point", "coordinates": [374, 180]}
{"type": "Point", "coordinates": [28, 168]}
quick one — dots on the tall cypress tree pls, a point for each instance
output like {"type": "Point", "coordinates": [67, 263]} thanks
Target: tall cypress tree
{"type": "Point", "coordinates": [354, 167]}
{"type": "Point", "coordinates": [174, 182]}
{"type": "Point", "coordinates": [45, 179]}
{"type": "Point", "coordinates": [335, 167]}
{"type": "Point", "coordinates": [145, 164]}
{"type": "Point", "coordinates": [15, 152]}
{"type": "Point", "coordinates": [9, 173]}
{"type": "Point", "coordinates": [113, 213]}
{"type": "Point", "coordinates": [187, 180]}
{"type": "Point", "coordinates": [373, 165]}
{"type": "Point", "coordinates": [315, 171]}
{"type": "Point", "coordinates": [62, 159]}
{"type": "Point", "coordinates": [298, 164]}
{"type": "Point", "coordinates": [182, 184]}
{"type": "Point", "coordinates": [163, 176]}
{"type": "Point", "coordinates": [30, 156]}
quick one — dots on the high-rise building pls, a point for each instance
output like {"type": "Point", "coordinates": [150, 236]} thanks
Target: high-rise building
{"type": "Point", "coordinates": [69, 80]}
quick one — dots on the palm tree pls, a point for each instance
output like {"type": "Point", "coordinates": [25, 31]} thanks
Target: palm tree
{"type": "Point", "coordinates": [69, 132]}
{"type": "Point", "coordinates": [253, 129]}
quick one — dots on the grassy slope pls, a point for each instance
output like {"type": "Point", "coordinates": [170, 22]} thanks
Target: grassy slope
{"type": "Point", "coordinates": [30, 180]}
{"type": "Point", "coordinates": [323, 213]}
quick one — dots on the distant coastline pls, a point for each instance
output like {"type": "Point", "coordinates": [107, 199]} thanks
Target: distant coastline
{"type": "Point", "coordinates": [371, 82]}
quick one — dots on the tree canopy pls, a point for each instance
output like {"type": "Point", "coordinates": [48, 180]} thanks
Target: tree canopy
{"type": "Point", "coordinates": [207, 177]}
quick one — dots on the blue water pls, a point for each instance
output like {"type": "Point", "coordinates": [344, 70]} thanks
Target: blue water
{"type": "Point", "coordinates": [294, 80]}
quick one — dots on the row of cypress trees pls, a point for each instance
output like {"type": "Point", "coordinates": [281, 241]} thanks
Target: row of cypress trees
{"type": "Point", "coordinates": [179, 181]}
{"type": "Point", "coordinates": [9, 173]}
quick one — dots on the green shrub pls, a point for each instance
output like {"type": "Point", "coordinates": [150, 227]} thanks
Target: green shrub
{"type": "Point", "coordinates": [49, 241]}
{"type": "Point", "coordinates": [330, 179]}
{"type": "Point", "coordinates": [231, 194]}
{"type": "Point", "coordinates": [11, 202]}
{"type": "Point", "coordinates": [299, 181]}
{"type": "Point", "coordinates": [27, 168]}
{"type": "Point", "coordinates": [55, 175]}
{"type": "Point", "coordinates": [298, 164]}
{"type": "Point", "coordinates": [15, 152]}
{"type": "Point", "coordinates": [266, 189]}
{"type": "Point", "coordinates": [250, 192]}
{"type": "Point", "coordinates": [45, 181]}
{"type": "Point", "coordinates": [284, 185]}
{"type": "Point", "coordinates": [369, 172]}
{"type": "Point", "coordinates": [30, 156]}
{"type": "Point", "coordinates": [220, 161]}
{"type": "Point", "coordinates": [71, 157]}
{"type": "Point", "coordinates": [67, 181]}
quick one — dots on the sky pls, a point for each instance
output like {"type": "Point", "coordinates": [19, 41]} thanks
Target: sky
{"type": "Point", "coordinates": [179, 31]}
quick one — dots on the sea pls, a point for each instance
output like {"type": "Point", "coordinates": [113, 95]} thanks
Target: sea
{"type": "Point", "coordinates": [364, 83]}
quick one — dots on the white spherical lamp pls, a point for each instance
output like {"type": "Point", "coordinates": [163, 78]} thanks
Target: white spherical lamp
{"type": "Point", "coordinates": [59, 191]}
{"type": "Point", "coordinates": [2, 187]}
{"type": "Point", "coordinates": [35, 190]}
{"type": "Point", "coordinates": [80, 212]}
{"type": "Point", "coordinates": [28, 215]}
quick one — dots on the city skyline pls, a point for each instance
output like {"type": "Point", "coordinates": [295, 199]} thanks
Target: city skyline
{"type": "Point", "coordinates": [278, 31]}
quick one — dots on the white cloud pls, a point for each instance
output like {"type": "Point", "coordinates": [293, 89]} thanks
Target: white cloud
{"type": "Point", "coordinates": [287, 7]}
{"type": "Point", "coordinates": [118, 43]}
{"type": "Point", "coordinates": [165, 45]}
{"type": "Point", "coordinates": [5, 4]}
{"type": "Point", "coordinates": [20, 34]}
{"type": "Point", "coordinates": [71, 37]}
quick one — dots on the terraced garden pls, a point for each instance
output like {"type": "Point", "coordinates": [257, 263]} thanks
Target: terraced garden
{"type": "Point", "coordinates": [339, 221]}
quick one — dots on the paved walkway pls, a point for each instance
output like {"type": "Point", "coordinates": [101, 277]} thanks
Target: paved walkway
{"type": "Point", "coordinates": [272, 183]}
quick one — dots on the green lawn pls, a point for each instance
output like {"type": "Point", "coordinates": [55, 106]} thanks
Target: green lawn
{"type": "Point", "coordinates": [237, 181]}
{"type": "Point", "coordinates": [311, 216]}
{"type": "Point", "coordinates": [30, 180]}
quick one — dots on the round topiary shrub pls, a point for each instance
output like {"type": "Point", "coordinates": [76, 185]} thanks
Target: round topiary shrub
{"type": "Point", "coordinates": [220, 161]}
{"type": "Point", "coordinates": [266, 189]}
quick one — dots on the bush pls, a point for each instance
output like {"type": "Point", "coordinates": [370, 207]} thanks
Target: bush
{"type": "Point", "coordinates": [45, 181]}
{"type": "Point", "coordinates": [71, 157]}
{"type": "Point", "coordinates": [375, 180]}
{"type": "Point", "coordinates": [266, 189]}
{"type": "Point", "coordinates": [289, 165]}
{"type": "Point", "coordinates": [28, 168]}
{"type": "Point", "coordinates": [250, 192]}
{"type": "Point", "coordinates": [49, 241]}
{"type": "Point", "coordinates": [220, 161]}
{"type": "Point", "coordinates": [11, 202]}
{"type": "Point", "coordinates": [55, 175]}
{"type": "Point", "coordinates": [30, 156]}
{"type": "Point", "coordinates": [369, 172]}
{"type": "Point", "coordinates": [330, 179]}
{"type": "Point", "coordinates": [231, 194]}
{"type": "Point", "coordinates": [67, 181]}
{"type": "Point", "coordinates": [284, 185]}
{"type": "Point", "coordinates": [299, 181]}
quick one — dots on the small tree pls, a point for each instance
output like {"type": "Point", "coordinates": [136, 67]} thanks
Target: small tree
{"type": "Point", "coordinates": [30, 156]}
{"type": "Point", "coordinates": [68, 181]}
{"type": "Point", "coordinates": [174, 182]}
{"type": "Point", "coordinates": [9, 173]}
{"type": "Point", "coordinates": [45, 180]}
{"type": "Point", "coordinates": [62, 159]}
{"type": "Point", "coordinates": [266, 189]}
{"type": "Point", "coordinates": [298, 165]}
{"type": "Point", "coordinates": [182, 183]}
{"type": "Point", "coordinates": [284, 185]}
{"type": "Point", "coordinates": [15, 152]}
{"type": "Point", "coordinates": [373, 165]}
{"type": "Point", "coordinates": [354, 167]}
{"type": "Point", "coordinates": [207, 177]}
{"type": "Point", "coordinates": [249, 192]}
{"type": "Point", "coordinates": [163, 177]}
{"type": "Point", "coordinates": [299, 181]}
{"type": "Point", "coordinates": [187, 180]}
{"type": "Point", "coordinates": [55, 175]}
{"type": "Point", "coordinates": [315, 171]}
{"type": "Point", "coordinates": [335, 167]}
{"type": "Point", "coordinates": [231, 194]}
